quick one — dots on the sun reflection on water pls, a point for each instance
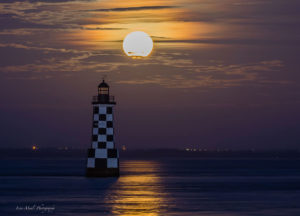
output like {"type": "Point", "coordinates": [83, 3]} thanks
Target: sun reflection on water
{"type": "Point", "coordinates": [140, 192]}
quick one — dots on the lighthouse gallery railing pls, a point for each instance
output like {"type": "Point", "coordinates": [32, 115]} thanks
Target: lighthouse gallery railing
{"type": "Point", "coordinates": [97, 98]}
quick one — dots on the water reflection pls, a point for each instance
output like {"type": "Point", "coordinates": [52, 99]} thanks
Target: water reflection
{"type": "Point", "coordinates": [139, 192]}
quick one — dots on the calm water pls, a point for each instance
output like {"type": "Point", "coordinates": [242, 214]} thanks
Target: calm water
{"type": "Point", "coordinates": [152, 187]}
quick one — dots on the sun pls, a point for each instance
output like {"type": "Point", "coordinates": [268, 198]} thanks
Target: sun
{"type": "Point", "coordinates": [137, 44]}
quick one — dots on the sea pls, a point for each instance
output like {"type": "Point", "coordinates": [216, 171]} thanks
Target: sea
{"type": "Point", "coordinates": [166, 187]}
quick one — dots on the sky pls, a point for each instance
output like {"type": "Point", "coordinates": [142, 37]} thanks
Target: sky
{"type": "Point", "coordinates": [222, 74]}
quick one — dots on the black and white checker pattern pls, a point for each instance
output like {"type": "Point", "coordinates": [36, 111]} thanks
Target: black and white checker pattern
{"type": "Point", "coordinates": [103, 153]}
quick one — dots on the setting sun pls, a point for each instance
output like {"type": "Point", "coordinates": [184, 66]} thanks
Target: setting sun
{"type": "Point", "coordinates": [137, 44]}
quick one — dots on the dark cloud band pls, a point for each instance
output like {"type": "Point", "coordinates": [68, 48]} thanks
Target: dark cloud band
{"type": "Point", "coordinates": [132, 8]}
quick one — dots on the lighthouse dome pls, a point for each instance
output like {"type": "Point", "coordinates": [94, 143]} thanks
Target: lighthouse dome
{"type": "Point", "coordinates": [103, 85]}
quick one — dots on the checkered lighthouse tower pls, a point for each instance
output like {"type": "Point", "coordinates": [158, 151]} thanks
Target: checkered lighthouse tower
{"type": "Point", "coordinates": [103, 157]}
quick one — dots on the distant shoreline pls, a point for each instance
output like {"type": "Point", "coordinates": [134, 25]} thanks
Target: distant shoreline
{"type": "Point", "coordinates": [53, 153]}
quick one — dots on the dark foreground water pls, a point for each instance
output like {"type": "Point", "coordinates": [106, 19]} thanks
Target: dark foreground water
{"type": "Point", "coordinates": [151, 188]}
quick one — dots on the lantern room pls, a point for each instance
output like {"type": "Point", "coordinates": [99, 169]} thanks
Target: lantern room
{"type": "Point", "coordinates": [103, 96]}
{"type": "Point", "coordinates": [103, 88]}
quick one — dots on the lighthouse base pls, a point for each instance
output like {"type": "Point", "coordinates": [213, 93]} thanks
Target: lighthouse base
{"type": "Point", "coordinates": [105, 172]}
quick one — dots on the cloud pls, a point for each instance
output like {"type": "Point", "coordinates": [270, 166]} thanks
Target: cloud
{"type": "Point", "coordinates": [45, 1]}
{"type": "Point", "coordinates": [233, 41]}
{"type": "Point", "coordinates": [103, 29]}
{"type": "Point", "coordinates": [132, 8]}
{"type": "Point", "coordinates": [12, 21]}
{"type": "Point", "coordinates": [69, 40]}
{"type": "Point", "coordinates": [26, 47]}
{"type": "Point", "coordinates": [184, 73]}
{"type": "Point", "coordinates": [228, 22]}
{"type": "Point", "coordinates": [167, 69]}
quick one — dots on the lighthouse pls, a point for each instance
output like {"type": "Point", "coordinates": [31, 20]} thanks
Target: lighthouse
{"type": "Point", "coordinates": [103, 156]}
